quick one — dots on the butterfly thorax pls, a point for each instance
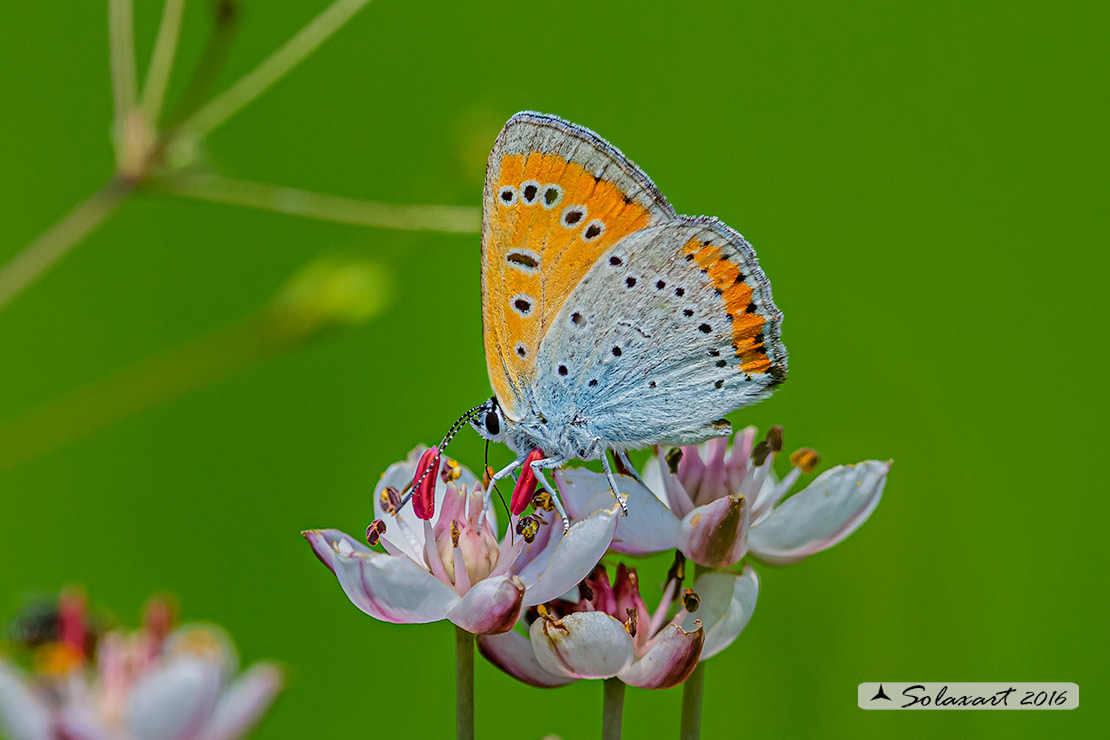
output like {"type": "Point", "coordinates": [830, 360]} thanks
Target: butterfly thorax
{"type": "Point", "coordinates": [564, 436]}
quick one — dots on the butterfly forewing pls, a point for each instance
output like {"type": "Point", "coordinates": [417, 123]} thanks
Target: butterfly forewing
{"type": "Point", "coordinates": [673, 327]}
{"type": "Point", "coordinates": [557, 197]}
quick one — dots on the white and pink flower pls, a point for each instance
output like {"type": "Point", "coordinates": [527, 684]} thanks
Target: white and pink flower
{"type": "Point", "coordinates": [443, 559]}
{"type": "Point", "coordinates": [717, 504]}
{"type": "Point", "coordinates": [609, 631]}
{"type": "Point", "coordinates": [150, 684]}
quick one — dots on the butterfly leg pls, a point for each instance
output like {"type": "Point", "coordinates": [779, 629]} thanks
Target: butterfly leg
{"type": "Point", "coordinates": [628, 466]}
{"type": "Point", "coordinates": [501, 474]}
{"type": "Point", "coordinates": [621, 499]}
{"type": "Point", "coordinates": [538, 467]}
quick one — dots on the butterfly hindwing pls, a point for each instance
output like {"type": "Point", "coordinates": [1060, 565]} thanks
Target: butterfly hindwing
{"type": "Point", "coordinates": [671, 328]}
{"type": "Point", "coordinates": [557, 196]}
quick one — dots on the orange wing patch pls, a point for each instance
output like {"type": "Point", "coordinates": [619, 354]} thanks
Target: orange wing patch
{"type": "Point", "coordinates": [549, 221]}
{"type": "Point", "coordinates": [736, 295]}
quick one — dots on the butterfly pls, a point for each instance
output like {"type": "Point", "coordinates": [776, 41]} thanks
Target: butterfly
{"type": "Point", "coordinates": [610, 322]}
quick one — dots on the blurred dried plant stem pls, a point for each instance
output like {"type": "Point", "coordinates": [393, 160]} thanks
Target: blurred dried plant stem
{"type": "Point", "coordinates": [158, 152]}
{"type": "Point", "coordinates": [325, 295]}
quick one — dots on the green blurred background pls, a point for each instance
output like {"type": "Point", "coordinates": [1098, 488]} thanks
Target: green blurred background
{"type": "Point", "coordinates": [920, 181]}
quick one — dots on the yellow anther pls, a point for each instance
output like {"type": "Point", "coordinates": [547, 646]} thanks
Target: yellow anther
{"type": "Point", "coordinates": [455, 532]}
{"type": "Point", "coordinates": [631, 625]}
{"type": "Point", "coordinates": [451, 470]}
{"type": "Point", "coordinates": [527, 527]}
{"type": "Point", "coordinates": [199, 642]}
{"type": "Point", "coordinates": [806, 459]}
{"type": "Point", "coordinates": [391, 499]}
{"type": "Point", "coordinates": [774, 438]}
{"type": "Point", "coordinates": [542, 501]}
{"type": "Point", "coordinates": [57, 659]}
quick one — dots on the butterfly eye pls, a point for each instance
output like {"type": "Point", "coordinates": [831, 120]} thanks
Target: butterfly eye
{"type": "Point", "coordinates": [507, 195]}
{"type": "Point", "coordinates": [493, 424]}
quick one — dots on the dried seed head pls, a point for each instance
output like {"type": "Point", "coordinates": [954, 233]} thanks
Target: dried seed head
{"type": "Point", "coordinates": [806, 459]}
{"type": "Point", "coordinates": [690, 600]}
{"type": "Point", "coordinates": [375, 531]}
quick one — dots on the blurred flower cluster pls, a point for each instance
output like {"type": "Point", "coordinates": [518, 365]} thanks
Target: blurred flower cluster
{"type": "Point", "coordinates": [78, 681]}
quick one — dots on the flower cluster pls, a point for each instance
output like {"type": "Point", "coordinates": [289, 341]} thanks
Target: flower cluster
{"type": "Point", "coordinates": [544, 610]}
{"type": "Point", "coordinates": [451, 565]}
{"type": "Point", "coordinates": [609, 631]}
{"type": "Point", "coordinates": [717, 504]}
{"type": "Point", "coordinates": [153, 683]}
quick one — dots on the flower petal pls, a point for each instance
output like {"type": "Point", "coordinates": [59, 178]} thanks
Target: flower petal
{"type": "Point", "coordinates": [665, 485]}
{"type": "Point", "coordinates": [81, 722]}
{"type": "Point", "coordinates": [387, 587]}
{"type": "Point", "coordinates": [560, 568]}
{"type": "Point", "coordinates": [23, 715]}
{"type": "Point", "coordinates": [582, 645]}
{"type": "Point", "coordinates": [669, 661]}
{"type": "Point", "coordinates": [652, 473]}
{"type": "Point", "coordinates": [244, 703]}
{"type": "Point", "coordinates": [512, 652]}
{"type": "Point", "coordinates": [716, 535]}
{"type": "Point", "coordinates": [833, 506]}
{"type": "Point", "coordinates": [491, 605]}
{"type": "Point", "coordinates": [649, 527]}
{"type": "Point", "coordinates": [727, 603]}
{"type": "Point", "coordinates": [173, 700]}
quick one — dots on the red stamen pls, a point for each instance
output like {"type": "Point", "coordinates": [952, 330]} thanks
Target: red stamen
{"type": "Point", "coordinates": [71, 615]}
{"type": "Point", "coordinates": [158, 619]}
{"type": "Point", "coordinates": [424, 484]}
{"type": "Point", "coordinates": [525, 484]}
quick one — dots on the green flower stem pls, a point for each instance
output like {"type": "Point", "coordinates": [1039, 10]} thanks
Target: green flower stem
{"type": "Point", "coordinates": [464, 684]}
{"type": "Point", "coordinates": [41, 254]}
{"type": "Point", "coordinates": [322, 297]}
{"type": "Point", "coordinates": [219, 189]}
{"type": "Point", "coordinates": [121, 51]}
{"type": "Point", "coordinates": [691, 704]}
{"type": "Point", "coordinates": [612, 712]}
{"type": "Point", "coordinates": [272, 69]}
{"type": "Point", "coordinates": [161, 60]}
